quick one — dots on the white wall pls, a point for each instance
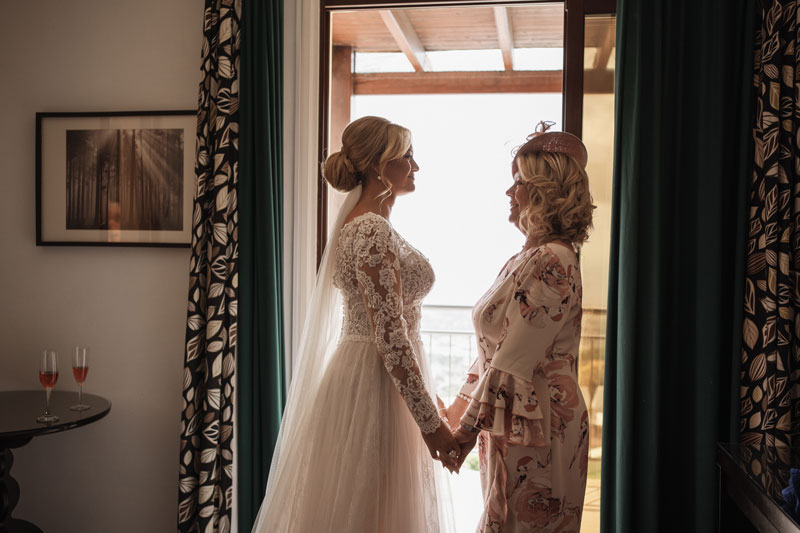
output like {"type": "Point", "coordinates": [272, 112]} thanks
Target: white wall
{"type": "Point", "coordinates": [127, 305]}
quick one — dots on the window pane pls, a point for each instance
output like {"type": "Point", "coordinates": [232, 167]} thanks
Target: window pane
{"type": "Point", "coordinates": [369, 62]}
{"type": "Point", "coordinates": [598, 136]}
{"type": "Point", "coordinates": [538, 58]}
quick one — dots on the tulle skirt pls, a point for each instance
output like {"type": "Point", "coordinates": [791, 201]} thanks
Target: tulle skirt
{"type": "Point", "coordinates": [360, 465]}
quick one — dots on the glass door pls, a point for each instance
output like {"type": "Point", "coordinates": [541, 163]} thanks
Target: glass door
{"type": "Point", "coordinates": [590, 37]}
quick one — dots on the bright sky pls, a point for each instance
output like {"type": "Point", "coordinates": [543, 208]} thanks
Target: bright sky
{"type": "Point", "coordinates": [462, 60]}
{"type": "Point", "coordinates": [458, 215]}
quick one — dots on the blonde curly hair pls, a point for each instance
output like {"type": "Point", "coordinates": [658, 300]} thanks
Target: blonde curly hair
{"type": "Point", "coordinates": [560, 205]}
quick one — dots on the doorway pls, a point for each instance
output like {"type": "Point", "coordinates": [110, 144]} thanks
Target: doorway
{"type": "Point", "coordinates": [471, 82]}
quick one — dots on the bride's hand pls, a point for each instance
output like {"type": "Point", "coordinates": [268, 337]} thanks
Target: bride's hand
{"type": "Point", "coordinates": [443, 447]}
{"type": "Point", "coordinates": [466, 441]}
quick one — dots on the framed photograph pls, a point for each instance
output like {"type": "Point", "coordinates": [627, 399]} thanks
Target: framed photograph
{"type": "Point", "coordinates": [115, 179]}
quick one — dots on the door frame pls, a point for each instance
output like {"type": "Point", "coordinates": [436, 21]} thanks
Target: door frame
{"type": "Point", "coordinates": [575, 13]}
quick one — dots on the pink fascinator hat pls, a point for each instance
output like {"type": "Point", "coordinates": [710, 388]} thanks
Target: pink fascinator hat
{"type": "Point", "coordinates": [542, 140]}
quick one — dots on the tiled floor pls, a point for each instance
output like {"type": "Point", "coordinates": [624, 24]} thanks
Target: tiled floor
{"type": "Point", "coordinates": [591, 507]}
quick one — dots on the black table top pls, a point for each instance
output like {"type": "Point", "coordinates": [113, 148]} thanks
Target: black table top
{"type": "Point", "coordinates": [19, 409]}
{"type": "Point", "coordinates": [767, 468]}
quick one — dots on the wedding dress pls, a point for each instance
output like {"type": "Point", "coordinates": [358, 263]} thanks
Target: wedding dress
{"type": "Point", "coordinates": [350, 456]}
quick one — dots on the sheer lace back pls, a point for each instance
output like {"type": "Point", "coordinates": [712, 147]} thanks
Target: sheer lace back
{"type": "Point", "coordinates": [383, 280]}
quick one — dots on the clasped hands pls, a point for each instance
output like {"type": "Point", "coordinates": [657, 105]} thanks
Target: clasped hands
{"type": "Point", "coordinates": [450, 446]}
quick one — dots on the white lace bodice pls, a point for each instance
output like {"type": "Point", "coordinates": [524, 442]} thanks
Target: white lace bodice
{"type": "Point", "coordinates": [383, 280]}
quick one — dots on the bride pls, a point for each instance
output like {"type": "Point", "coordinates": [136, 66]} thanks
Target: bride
{"type": "Point", "coordinates": [361, 429]}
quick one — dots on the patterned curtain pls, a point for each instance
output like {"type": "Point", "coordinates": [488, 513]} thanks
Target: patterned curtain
{"type": "Point", "coordinates": [771, 351]}
{"type": "Point", "coordinates": [206, 457]}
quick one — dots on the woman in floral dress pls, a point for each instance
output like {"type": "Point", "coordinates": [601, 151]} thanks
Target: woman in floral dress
{"type": "Point", "coordinates": [521, 401]}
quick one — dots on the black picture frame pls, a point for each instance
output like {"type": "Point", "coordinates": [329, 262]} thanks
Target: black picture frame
{"type": "Point", "coordinates": [115, 178]}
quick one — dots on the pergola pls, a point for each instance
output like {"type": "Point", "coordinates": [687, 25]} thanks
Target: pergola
{"type": "Point", "coordinates": [417, 31]}
{"type": "Point", "coordinates": [355, 26]}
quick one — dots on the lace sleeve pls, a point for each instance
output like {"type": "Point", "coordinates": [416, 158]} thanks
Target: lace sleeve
{"type": "Point", "coordinates": [378, 275]}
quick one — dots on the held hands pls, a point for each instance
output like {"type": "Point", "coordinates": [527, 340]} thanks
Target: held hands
{"type": "Point", "coordinates": [465, 438]}
{"type": "Point", "coordinates": [466, 441]}
{"type": "Point", "coordinates": [443, 447]}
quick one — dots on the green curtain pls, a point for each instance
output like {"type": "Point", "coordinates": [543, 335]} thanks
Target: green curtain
{"type": "Point", "coordinates": [260, 365]}
{"type": "Point", "coordinates": [683, 154]}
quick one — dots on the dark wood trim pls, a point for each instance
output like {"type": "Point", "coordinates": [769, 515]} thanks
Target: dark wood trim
{"type": "Point", "coordinates": [749, 497]}
{"type": "Point", "coordinates": [341, 93]}
{"type": "Point", "coordinates": [600, 7]}
{"type": "Point", "coordinates": [574, 20]}
{"type": "Point", "coordinates": [458, 82]}
{"type": "Point", "coordinates": [325, 45]}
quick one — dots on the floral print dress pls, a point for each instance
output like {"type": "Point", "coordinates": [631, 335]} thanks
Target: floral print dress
{"type": "Point", "coordinates": [524, 397]}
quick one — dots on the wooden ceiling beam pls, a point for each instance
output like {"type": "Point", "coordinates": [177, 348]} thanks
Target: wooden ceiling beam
{"type": "Point", "coordinates": [503, 22]}
{"type": "Point", "coordinates": [399, 25]}
{"type": "Point", "coordinates": [517, 81]}
{"type": "Point", "coordinates": [604, 51]}
{"type": "Point", "coordinates": [598, 81]}
{"type": "Point", "coordinates": [458, 82]}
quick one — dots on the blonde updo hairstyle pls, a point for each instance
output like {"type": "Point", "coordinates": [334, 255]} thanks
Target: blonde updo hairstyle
{"type": "Point", "coordinates": [369, 142]}
{"type": "Point", "coordinates": [560, 205]}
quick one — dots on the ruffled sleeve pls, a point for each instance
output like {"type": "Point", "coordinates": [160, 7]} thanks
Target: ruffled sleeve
{"type": "Point", "coordinates": [506, 405]}
{"type": "Point", "coordinates": [472, 381]}
{"type": "Point", "coordinates": [378, 275]}
{"type": "Point", "coordinates": [503, 401]}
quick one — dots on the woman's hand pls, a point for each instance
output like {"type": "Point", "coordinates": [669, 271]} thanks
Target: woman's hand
{"type": "Point", "coordinates": [440, 408]}
{"type": "Point", "coordinates": [466, 441]}
{"type": "Point", "coordinates": [456, 411]}
{"type": "Point", "coordinates": [443, 447]}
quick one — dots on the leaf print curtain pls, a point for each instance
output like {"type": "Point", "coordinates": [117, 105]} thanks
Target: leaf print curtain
{"type": "Point", "coordinates": [682, 159]}
{"type": "Point", "coordinates": [771, 329]}
{"type": "Point", "coordinates": [206, 457]}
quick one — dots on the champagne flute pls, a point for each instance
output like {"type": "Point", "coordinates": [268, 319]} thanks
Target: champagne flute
{"type": "Point", "coordinates": [80, 368]}
{"type": "Point", "coordinates": [48, 375]}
